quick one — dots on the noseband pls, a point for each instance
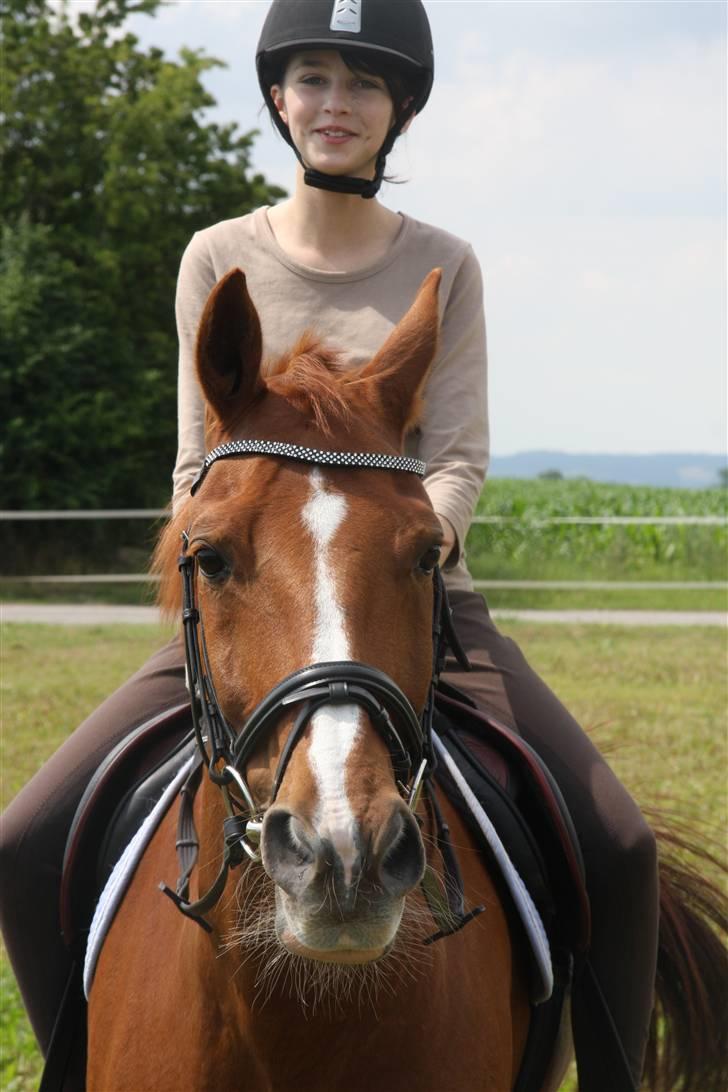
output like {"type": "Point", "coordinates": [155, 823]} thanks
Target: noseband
{"type": "Point", "coordinates": [343, 682]}
{"type": "Point", "coordinates": [225, 752]}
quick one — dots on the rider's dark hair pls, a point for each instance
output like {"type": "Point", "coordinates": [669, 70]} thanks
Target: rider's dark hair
{"type": "Point", "coordinates": [401, 84]}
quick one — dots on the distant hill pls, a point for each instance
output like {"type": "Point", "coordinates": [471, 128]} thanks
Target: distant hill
{"type": "Point", "coordinates": [686, 471]}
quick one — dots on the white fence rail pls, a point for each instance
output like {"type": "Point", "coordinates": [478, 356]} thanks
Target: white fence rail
{"type": "Point", "coordinates": [625, 521]}
{"type": "Point", "coordinates": [525, 585]}
{"type": "Point", "coordinates": [26, 515]}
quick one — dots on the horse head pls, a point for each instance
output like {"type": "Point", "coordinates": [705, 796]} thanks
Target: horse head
{"type": "Point", "coordinates": [300, 565]}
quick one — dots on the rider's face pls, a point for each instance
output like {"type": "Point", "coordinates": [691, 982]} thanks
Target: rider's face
{"type": "Point", "coordinates": [338, 119]}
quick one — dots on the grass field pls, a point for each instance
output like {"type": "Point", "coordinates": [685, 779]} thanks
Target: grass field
{"type": "Point", "coordinates": [654, 699]}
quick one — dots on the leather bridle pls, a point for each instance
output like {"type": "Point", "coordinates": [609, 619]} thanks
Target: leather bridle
{"type": "Point", "coordinates": [225, 752]}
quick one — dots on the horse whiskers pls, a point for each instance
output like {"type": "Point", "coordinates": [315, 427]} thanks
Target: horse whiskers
{"type": "Point", "coordinates": [333, 897]}
{"type": "Point", "coordinates": [320, 986]}
{"type": "Point", "coordinates": [330, 987]}
{"type": "Point", "coordinates": [255, 916]}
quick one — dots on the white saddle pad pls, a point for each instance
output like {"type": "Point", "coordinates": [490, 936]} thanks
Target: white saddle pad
{"type": "Point", "coordinates": [126, 866]}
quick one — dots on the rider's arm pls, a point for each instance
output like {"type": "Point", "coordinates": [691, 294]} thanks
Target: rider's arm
{"type": "Point", "coordinates": [454, 426]}
{"type": "Point", "coordinates": [194, 284]}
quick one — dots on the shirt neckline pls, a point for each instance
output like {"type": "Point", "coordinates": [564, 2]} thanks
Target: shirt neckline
{"type": "Point", "coordinates": [267, 236]}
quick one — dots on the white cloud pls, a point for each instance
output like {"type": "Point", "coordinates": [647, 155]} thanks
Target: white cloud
{"type": "Point", "coordinates": [537, 136]}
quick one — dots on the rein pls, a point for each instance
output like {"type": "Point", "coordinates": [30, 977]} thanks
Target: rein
{"type": "Point", "coordinates": [224, 752]}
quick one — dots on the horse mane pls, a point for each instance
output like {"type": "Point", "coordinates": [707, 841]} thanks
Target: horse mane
{"type": "Point", "coordinates": [164, 565]}
{"type": "Point", "coordinates": [312, 378]}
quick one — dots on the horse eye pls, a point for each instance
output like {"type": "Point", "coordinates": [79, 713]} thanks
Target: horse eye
{"type": "Point", "coordinates": [429, 560]}
{"type": "Point", "coordinates": [210, 562]}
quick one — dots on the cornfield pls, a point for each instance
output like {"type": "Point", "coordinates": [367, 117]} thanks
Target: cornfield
{"type": "Point", "coordinates": [525, 547]}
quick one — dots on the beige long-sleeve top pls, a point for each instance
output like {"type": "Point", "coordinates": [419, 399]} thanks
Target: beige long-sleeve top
{"type": "Point", "coordinates": [355, 312]}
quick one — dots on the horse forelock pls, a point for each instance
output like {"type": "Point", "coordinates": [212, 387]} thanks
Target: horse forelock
{"type": "Point", "coordinates": [313, 379]}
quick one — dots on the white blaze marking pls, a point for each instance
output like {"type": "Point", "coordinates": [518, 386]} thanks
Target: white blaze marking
{"type": "Point", "coordinates": [335, 728]}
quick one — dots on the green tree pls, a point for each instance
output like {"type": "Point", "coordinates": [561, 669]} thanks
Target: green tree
{"type": "Point", "coordinates": [108, 165]}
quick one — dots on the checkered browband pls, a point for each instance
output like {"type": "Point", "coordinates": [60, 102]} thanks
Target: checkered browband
{"type": "Point", "coordinates": [356, 459]}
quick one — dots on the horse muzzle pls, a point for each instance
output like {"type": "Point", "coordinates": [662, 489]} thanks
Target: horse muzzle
{"type": "Point", "coordinates": [350, 956]}
{"type": "Point", "coordinates": [340, 895]}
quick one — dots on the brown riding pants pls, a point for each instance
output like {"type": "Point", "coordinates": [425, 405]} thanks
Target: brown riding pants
{"type": "Point", "coordinates": [617, 845]}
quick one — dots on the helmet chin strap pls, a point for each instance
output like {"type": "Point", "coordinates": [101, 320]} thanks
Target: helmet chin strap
{"type": "Point", "coordinates": [338, 183]}
{"type": "Point", "coordinates": [343, 183]}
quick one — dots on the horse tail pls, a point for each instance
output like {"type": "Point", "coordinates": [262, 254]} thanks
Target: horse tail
{"type": "Point", "coordinates": [687, 1047]}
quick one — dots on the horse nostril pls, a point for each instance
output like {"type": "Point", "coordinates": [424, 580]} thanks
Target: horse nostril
{"type": "Point", "coordinates": [289, 857]}
{"type": "Point", "coordinates": [400, 853]}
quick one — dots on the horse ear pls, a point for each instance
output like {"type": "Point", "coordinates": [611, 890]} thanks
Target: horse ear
{"type": "Point", "coordinates": [398, 371]}
{"type": "Point", "coordinates": [229, 347]}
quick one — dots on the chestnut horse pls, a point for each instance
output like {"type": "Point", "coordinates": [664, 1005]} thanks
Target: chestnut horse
{"type": "Point", "coordinates": [312, 973]}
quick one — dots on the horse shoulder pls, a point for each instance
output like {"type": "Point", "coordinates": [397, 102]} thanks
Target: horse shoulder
{"type": "Point", "coordinates": [145, 987]}
{"type": "Point", "coordinates": [486, 959]}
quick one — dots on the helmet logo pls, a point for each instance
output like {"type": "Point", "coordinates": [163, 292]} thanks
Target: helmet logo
{"type": "Point", "coordinates": [346, 15]}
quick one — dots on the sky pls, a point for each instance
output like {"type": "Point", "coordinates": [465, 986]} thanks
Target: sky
{"type": "Point", "coordinates": [581, 148]}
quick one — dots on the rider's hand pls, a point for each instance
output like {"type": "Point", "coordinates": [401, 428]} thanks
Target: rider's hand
{"type": "Point", "coordinates": [448, 540]}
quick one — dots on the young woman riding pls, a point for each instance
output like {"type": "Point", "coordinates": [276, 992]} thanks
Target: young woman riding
{"type": "Point", "coordinates": [342, 82]}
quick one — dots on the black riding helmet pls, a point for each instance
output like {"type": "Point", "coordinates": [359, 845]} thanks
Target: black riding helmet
{"type": "Point", "coordinates": [388, 31]}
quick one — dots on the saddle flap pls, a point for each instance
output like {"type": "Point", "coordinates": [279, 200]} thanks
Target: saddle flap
{"type": "Point", "coordinates": [118, 797]}
{"type": "Point", "coordinates": [526, 807]}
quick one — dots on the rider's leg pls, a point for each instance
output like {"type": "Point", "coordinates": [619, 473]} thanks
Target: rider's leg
{"type": "Point", "coordinates": [617, 844]}
{"type": "Point", "coordinates": [34, 827]}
